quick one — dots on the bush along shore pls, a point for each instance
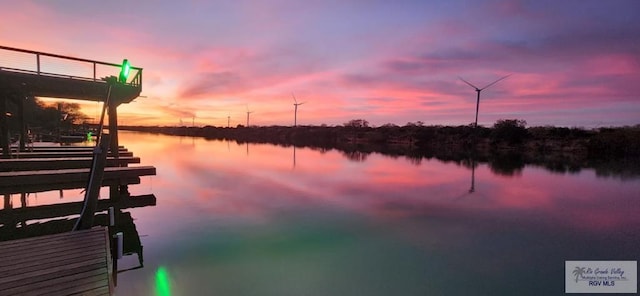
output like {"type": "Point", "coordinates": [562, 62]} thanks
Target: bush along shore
{"type": "Point", "coordinates": [507, 146]}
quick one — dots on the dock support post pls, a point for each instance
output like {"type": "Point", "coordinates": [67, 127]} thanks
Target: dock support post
{"type": "Point", "coordinates": [114, 190]}
{"type": "Point", "coordinates": [113, 129]}
{"type": "Point", "coordinates": [4, 129]}
{"type": "Point", "coordinates": [23, 125]}
{"type": "Point", "coordinates": [7, 201]}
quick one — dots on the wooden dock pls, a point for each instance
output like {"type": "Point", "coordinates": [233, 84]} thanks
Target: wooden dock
{"type": "Point", "coordinates": [70, 208]}
{"type": "Point", "coordinates": [47, 154]}
{"type": "Point", "coordinates": [34, 164]}
{"type": "Point", "coordinates": [71, 175]}
{"type": "Point", "coordinates": [46, 168]}
{"type": "Point", "coordinates": [69, 263]}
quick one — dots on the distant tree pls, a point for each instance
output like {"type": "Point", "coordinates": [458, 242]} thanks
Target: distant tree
{"type": "Point", "coordinates": [510, 123]}
{"type": "Point", "coordinates": [50, 117]}
{"type": "Point", "coordinates": [388, 125]}
{"type": "Point", "coordinates": [69, 114]}
{"type": "Point", "coordinates": [512, 131]}
{"type": "Point", "coordinates": [417, 123]}
{"type": "Point", "coordinates": [359, 123]}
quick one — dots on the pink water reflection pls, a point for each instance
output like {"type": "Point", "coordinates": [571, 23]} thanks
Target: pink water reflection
{"type": "Point", "coordinates": [258, 181]}
{"type": "Point", "coordinates": [227, 213]}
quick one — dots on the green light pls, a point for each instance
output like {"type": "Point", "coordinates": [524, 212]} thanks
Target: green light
{"type": "Point", "coordinates": [124, 70]}
{"type": "Point", "coordinates": [163, 285]}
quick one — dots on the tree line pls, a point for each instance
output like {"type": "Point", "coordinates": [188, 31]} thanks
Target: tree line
{"type": "Point", "coordinates": [45, 118]}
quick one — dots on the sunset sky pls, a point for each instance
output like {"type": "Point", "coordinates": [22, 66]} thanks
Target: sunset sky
{"type": "Point", "coordinates": [574, 63]}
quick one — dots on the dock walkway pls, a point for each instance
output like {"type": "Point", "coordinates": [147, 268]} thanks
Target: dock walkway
{"type": "Point", "coordinates": [69, 263]}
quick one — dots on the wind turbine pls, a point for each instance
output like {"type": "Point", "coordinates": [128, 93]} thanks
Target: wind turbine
{"type": "Point", "coordinates": [228, 119]}
{"type": "Point", "coordinates": [295, 114]}
{"type": "Point", "coordinates": [478, 90]}
{"type": "Point", "coordinates": [248, 112]}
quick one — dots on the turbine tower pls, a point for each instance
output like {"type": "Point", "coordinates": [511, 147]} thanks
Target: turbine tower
{"type": "Point", "coordinates": [295, 112]}
{"type": "Point", "coordinates": [228, 119]}
{"type": "Point", "coordinates": [248, 112]}
{"type": "Point", "coordinates": [478, 90]}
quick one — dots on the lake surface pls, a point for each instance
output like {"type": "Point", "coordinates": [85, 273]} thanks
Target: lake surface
{"type": "Point", "coordinates": [258, 219]}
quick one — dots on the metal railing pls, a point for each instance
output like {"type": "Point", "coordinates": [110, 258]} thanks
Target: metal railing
{"type": "Point", "coordinates": [48, 64]}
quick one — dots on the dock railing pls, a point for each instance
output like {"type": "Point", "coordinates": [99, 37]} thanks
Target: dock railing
{"type": "Point", "coordinates": [48, 64]}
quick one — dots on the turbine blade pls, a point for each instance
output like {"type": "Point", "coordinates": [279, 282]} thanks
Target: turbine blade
{"type": "Point", "coordinates": [301, 103]}
{"type": "Point", "coordinates": [294, 98]}
{"type": "Point", "coordinates": [492, 83]}
{"type": "Point", "coordinates": [467, 82]}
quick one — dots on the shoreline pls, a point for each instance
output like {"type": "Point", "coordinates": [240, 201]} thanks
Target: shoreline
{"type": "Point", "coordinates": [610, 152]}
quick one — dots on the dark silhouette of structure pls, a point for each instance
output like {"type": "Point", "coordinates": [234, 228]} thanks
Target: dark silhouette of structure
{"type": "Point", "coordinates": [248, 112]}
{"type": "Point", "coordinates": [478, 90]}
{"type": "Point", "coordinates": [39, 75]}
{"type": "Point", "coordinates": [295, 113]}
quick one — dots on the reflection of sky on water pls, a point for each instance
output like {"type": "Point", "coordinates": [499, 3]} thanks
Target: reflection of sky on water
{"type": "Point", "coordinates": [234, 219]}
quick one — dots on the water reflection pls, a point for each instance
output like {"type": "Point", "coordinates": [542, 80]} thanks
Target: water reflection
{"type": "Point", "coordinates": [294, 156]}
{"type": "Point", "coordinates": [355, 155]}
{"type": "Point", "coordinates": [389, 225]}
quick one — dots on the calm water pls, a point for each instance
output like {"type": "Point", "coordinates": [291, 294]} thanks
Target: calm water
{"type": "Point", "coordinates": [237, 219]}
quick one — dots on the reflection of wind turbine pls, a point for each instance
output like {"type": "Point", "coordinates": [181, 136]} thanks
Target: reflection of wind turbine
{"type": "Point", "coordinates": [478, 90]}
{"type": "Point", "coordinates": [248, 112]}
{"type": "Point", "coordinates": [473, 176]}
{"type": "Point", "coordinates": [473, 180]}
{"type": "Point", "coordinates": [294, 156]}
{"type": "Point", "coordinates": [295, 113]}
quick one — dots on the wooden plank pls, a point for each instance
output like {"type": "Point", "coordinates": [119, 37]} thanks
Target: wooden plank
{"type": "Point", "coordinates": [33, 188]}
{"type": "Point", "coordinates": [60, 149]}
{"type": "Point", "coordinates": [32, 278]}
{"type": "Point", "coordinates": [71, 175]}
{"type": "Point", "coordinates": [85, 287]}
{"type": "Point", "coordinates": [32, 275]}
{"type": "Point", "coordinates": [64, 154]}
{"type": "Point", "coordinates": [98, 292]}
{"type": "Point", "coordinates": [36, 246]}
{"type": "Point", "coordinates": [44, 285]}
{"type": "Point", "coordinates": [43, 248]}
{"type": "Point", "coordinates": [26, 264]}
{"type": "Point", "coordinates": [77, 262]}
{"type": "Point", "coordinates": [61, 277]}
{"type": "Point", "coordinates": [73, 208]}
{"type": "Point", "coordinates": [44, 238]}
{"type": "Point", "coordinates": [56, 147]}
{"type": "Point", "coordinates": [34, 164]}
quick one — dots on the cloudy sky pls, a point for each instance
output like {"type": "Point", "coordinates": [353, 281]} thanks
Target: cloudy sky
{"type": "Point", "coordinates": [574, 63]}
